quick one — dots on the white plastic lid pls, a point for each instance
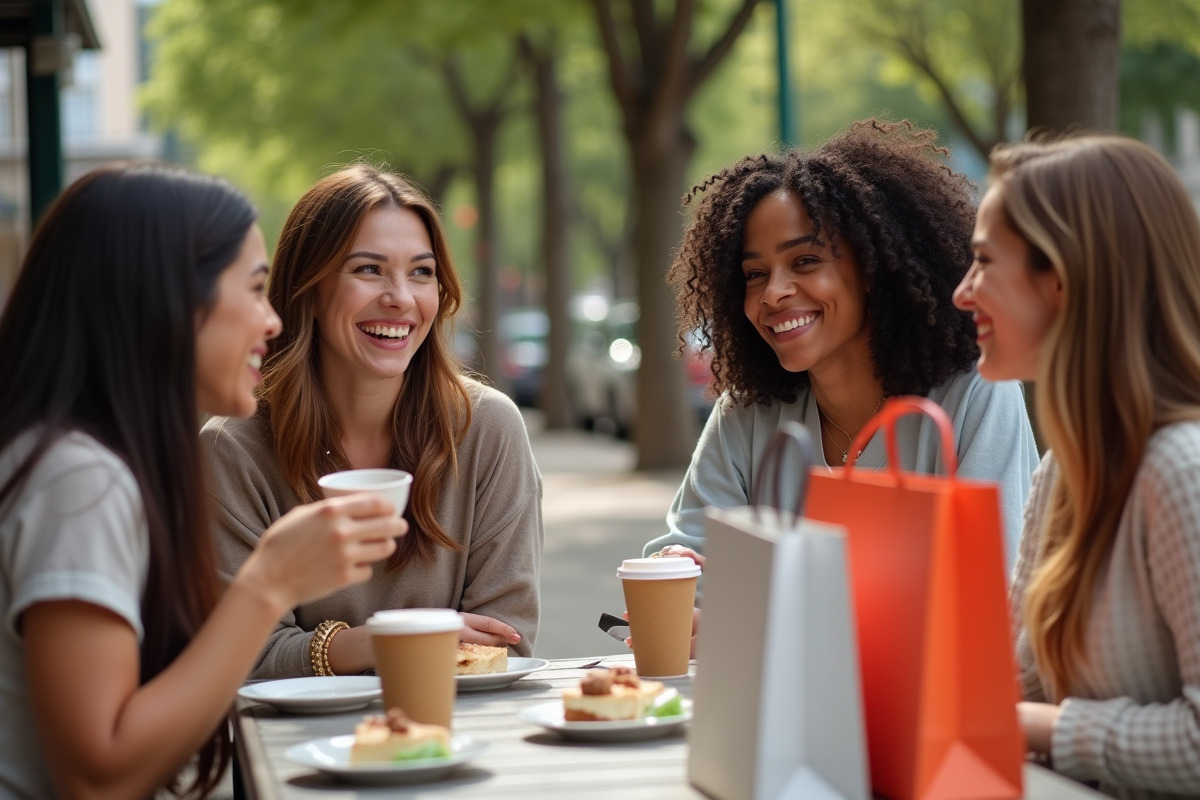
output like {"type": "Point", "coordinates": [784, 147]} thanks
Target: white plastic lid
{"type": "Point", "coordinates": [365, 479]}
{"type": "Point", "coordinates": [415, 620]}
{"type": "Point", "coordinates": [658, 569]}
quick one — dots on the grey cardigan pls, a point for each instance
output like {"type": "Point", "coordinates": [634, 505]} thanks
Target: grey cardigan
{"type": "Point", "coordinates": [992, 437]}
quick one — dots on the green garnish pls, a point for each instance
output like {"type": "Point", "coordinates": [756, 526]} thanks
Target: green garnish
{"type": "Point", "coordinates": [668, 704]}
{"type": "Point", "coordinates": [430, 749]}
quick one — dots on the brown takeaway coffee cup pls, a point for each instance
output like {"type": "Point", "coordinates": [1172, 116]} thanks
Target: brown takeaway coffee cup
{"type": "Point", "coordinates": [415, 650]}
{"type": "Point", "coordinates": [659, 596]}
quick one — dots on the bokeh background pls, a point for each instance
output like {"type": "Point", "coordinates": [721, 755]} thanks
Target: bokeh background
{"type": "Point", "coordinates": [559, 136]}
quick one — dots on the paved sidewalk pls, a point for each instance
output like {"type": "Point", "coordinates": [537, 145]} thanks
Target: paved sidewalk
{"type": "Point", "coordinates": [597, 511]}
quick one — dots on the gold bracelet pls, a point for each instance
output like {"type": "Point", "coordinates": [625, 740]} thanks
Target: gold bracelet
{"type": "Point", "coordinates": [318, 648]}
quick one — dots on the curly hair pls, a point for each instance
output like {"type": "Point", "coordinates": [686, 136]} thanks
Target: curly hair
{"type": "Point", "coordinates": [885, 189]}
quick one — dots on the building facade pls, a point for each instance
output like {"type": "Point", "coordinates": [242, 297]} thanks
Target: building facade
{"type": "Point", "coordinates": [100, 117]}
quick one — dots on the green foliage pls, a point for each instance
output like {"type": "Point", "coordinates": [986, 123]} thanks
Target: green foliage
{"type": "Point", "coordinates": [258, 91]}
{"type": "Point", "coordinates": [1160, 64]}
{"type": "Point", "coordinates": [1146, 22]}
{"type": "Point", "coordinates": [960, 55]}
{"type": "Point", "coordinates": [275, 93]}
{"type": "Point", "coordinates": [1156, 79]}
{"type": "Point", "coordinates": [736, 112]}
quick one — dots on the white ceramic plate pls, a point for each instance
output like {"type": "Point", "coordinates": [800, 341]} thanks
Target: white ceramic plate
{"type": "Point", "coordinates": [316, 695]}
{"type": "Point", "coordinates": [550, 716]}
{"type": "Point", "coordinates": [517, 668]}
{"type": "Point", "coordinates": [332, 756]}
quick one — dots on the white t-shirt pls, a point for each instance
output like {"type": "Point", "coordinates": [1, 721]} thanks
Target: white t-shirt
{"type": "Point", "coordinates": [76, 531]}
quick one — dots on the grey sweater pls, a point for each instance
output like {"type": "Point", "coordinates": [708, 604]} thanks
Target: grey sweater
{"type": "Point", "coordinates": [992, 437]}
{"type": "Point", "coordinates": [493, 508]}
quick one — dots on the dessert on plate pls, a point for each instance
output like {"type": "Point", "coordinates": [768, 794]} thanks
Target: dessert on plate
{"type": "Point", "coordinates": [395, 737]}
{"type": "Point", "coordinates": [480, 659]}
{"type": "Point", "coordinates": [610, 694]}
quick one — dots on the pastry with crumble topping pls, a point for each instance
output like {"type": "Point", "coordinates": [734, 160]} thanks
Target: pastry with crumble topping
{"type": "Point", "coordinates": [610, 694]}
{"type": "Point", "coordinates": [395, 737]}
{"type": "Point", "coordinates": [480, 659]}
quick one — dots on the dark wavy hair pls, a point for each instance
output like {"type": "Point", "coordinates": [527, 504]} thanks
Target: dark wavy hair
{"type": "Point", "coordinates": [99, 336]}
{"type": "Point", "coordinates": [884, 189]}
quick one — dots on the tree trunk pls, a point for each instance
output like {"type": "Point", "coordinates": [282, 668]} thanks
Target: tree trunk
{"type": "Point", "coordinates": [652, 89]}
{"type": "Point", "coordinates": [665, 430]}
{"type": "Point", "coordinates": [555, 238]}
{"type": "Point", "coordinates": [437, 183]}
{"type": "Point", "coordinates": [1071, 71]}
{"type": "Point", "coordinates": [1070, 64]}
{"type": "Point", "coordinates": [483, 136]}
{"type": "Point", "coordinates": [483, 123]}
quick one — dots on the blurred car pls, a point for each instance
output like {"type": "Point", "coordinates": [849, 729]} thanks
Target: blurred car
{"type": "Point", "coordinates": [587, 369]}
{"type": "Point", "coordinates": [597, 386]}
{"type": "Point", "coordinates": [465, 342]}
{"type": "Point", "coordinates": [523, 351]}
{"type": "Point", "coordinates": [602, 372]}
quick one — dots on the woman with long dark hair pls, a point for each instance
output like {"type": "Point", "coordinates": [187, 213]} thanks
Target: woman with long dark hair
{"type": "Point", "coordinates": [139, 305]}
{"type": "Point", "coordinates": [364, 376]}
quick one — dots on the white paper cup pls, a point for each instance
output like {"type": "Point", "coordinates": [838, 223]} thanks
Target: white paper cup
{"type": "Point", "coordinates": [390, 484]}
{"type": "Point", "coordinates": [659, 596]}
{"type": "Point", "coordinates": [415, 652]}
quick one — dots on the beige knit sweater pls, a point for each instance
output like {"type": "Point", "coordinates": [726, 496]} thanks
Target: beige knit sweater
{"type": "Point", "coordinates": [494, 509]}
{"type": "Point", "coordinates": [1132, 722]}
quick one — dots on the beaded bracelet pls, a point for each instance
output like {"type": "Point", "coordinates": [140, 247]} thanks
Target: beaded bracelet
{"type": "Point", "coordinates": [318, 648]}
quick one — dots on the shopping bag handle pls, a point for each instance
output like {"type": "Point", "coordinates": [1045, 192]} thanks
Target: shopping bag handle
{"type": "Point", "coordinates": [892, 410]}
{"type": "Point", "coordinates": [771, 466]}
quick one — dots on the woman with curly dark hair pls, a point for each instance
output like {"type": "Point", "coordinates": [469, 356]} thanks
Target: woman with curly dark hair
{"type": "Point", "coordinates": [822, 281]}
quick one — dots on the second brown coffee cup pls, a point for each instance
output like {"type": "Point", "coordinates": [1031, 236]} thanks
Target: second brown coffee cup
{"type": "Point", "coordinates": [659, 596]}
{"type": "Point", "coordinates": [415, 651]}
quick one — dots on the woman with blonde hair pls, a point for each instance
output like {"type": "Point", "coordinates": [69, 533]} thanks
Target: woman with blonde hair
{"type": "Point", "coordinates": [1086, 279]}
{"type": "Point", "coordinates": [364, 376]}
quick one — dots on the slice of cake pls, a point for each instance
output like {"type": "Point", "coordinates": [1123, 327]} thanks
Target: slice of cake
{"type": "Point", "coordinates": [609, 694]}
{"type": "Point", "coordinates": [395, 737]}
{"type": "Point", "coordinates": [480, 659]}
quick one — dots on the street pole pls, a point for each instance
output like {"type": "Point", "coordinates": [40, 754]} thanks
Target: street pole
{"type": "Point", "coordinates": [787, 126]}
{"type": "Point", "coordinates": [42, 81]}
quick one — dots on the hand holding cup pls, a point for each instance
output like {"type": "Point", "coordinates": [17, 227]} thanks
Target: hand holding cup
{"type": "Point", "coordinates": [660, 595]}
{"type": "Point", "coordinates": [319, 548]}
{"type": "Point", "coordinates": [679, 551]}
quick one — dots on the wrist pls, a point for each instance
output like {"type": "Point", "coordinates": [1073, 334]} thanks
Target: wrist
{"type": "Point", "coordinates": [350, 651]}
{"type": "Point", "coordinates": [268, 597]}
{"type": "Point", "coordinates": [1038, 721]}
{"type": "Point", "coordinates": [318, 648]}
{"type": "Point", "coordinates": [253, 579]}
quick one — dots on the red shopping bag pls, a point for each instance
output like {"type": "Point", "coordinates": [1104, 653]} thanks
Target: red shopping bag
{"type": "Point", "coordinates": [927, 576]}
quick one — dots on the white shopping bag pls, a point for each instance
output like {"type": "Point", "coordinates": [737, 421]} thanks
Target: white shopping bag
{"type": "Point", "coordinates": [777, 697]}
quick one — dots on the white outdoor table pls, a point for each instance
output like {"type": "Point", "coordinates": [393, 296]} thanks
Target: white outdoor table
{"type": "Point", "coordinates": [525, 761]}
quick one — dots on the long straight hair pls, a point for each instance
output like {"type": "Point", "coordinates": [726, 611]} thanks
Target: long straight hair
{"type": "Point", "coordinates": [99, 336]}
{"type": "Point", "coordinates": [432, 412]}
{"type": "Point", "coordinates": [1111, 218]}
